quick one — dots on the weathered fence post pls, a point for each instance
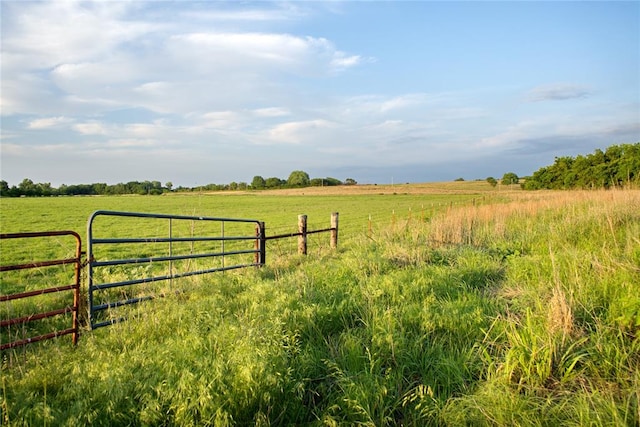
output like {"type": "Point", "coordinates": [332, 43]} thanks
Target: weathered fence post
{"type": "Point", "coordinates": [260, 245]}
{"type": "Point", "coordinates": [302, 238]}
{"type": "Point", "coordinates": [334, 230]}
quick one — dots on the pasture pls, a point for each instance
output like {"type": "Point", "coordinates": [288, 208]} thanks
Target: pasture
{"type": "Point", "coordinates": [444, 304]}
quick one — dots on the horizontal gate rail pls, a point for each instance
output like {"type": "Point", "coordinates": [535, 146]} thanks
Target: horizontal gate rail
{"type": "Point", "coordinates": [75, 287]}
{"type": "Point", "coordinates": [254, 240]}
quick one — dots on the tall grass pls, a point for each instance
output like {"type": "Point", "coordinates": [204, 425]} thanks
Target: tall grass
{"type": "Point", "coordinates": [566, 351]}
{"type": "Point", "coordinates": [520, 312]}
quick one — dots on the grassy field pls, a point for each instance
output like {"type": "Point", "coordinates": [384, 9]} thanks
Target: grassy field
{"type": "Point", "coordinates": [456, 304]}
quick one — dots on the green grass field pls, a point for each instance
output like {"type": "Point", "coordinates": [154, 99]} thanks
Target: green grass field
{"type": "Point", "coordinates": [455, 305]}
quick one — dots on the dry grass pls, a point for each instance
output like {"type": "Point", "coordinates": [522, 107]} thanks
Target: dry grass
{"type": "Point", "coordinates": [475, 224]}
{"type": "Point", "coordinates": [452, 187]}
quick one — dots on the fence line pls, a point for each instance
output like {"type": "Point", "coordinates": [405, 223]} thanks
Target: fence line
{"type": "Point", "coordinates": [303, 232]}
{"type": "Point", "coordinates": [95, 262]}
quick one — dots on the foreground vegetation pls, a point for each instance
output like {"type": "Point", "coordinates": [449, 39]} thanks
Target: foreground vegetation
{"type": "Point", "coordinates": [522, 309]}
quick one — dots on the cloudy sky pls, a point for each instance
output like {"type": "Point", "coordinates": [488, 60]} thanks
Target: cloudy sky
{"type": "Point", "coordinates": [214, 92]}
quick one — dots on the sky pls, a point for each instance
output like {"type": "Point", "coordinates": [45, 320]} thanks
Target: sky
{"type": "Point", "coordinates": [199, 92]}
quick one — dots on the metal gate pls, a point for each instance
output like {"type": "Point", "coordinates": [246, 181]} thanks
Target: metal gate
{"type": "Point", "coordinates": [7, 325]}
{"type": "Point", "coordinates": [160, 248]}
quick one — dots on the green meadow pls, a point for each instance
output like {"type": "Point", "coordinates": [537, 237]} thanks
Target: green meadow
{"type": "Point", "coordinates": [443, 305]}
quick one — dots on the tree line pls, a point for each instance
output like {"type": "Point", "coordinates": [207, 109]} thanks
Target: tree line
{"type": "Point", "coordinates": [617, 166]}
{"type": "Point", "coordinates": [28, 188]}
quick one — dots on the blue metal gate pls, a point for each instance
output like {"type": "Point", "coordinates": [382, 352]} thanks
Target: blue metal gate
{"type": "Point", "coordinates": [157, 247]}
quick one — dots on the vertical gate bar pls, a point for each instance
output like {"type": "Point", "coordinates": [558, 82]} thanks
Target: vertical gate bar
{"type": "Point", "coordinates": [90, 269]}
{"type": "Point", "coordinates": [256, 246]}
{"type": "Point", "coordinates": [170, 253]}
{"type": "Point", "coordinates": [261, 244]}
{"type": "Point", "coordinates": [76, 290]}
{"type": "Point", "coordinates": [222, 243]}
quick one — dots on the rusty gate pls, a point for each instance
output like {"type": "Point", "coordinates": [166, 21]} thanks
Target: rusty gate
{"type": "Point", "coordinates": [8, 325]}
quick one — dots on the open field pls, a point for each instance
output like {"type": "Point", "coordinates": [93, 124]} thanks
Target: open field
{"type": "Point", "coordinates": [278, 208]}
{"type": "Point", "coordinates": [451, 307]}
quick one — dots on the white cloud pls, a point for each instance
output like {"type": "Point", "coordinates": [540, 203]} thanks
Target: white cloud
{"type": "Point", "coordinates": [222, 120]}
{"type": "Point", "coordinates": [341, 61]}
{"type": "Point", "coordinates": [49, 122]}
{"type": "Point", "coordinates": [282, 11]}
{"type": "Point", "coordinates": [45, 34]}
{"type": "Point", "coordinates": [298, 132]}
{"type": "Point", "coordinates": [152, 88]}
{"type": "Point", "coordinates": [214, 51]}
{"type": "Point", "coordinates": [157, 129]}
{"type": "Point", "coordinates": [90, 128]}
{"type": "Point", "coordinates": [92, 57]}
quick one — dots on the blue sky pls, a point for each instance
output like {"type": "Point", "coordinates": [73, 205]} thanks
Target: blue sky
{"type": "Point", "coordinates": [214, 92]}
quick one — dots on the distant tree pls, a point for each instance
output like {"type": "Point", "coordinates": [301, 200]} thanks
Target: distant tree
{"type": "Point", "coordinates": [350, 181]}
{"type": "Point", "coordinates": [298, 179]}
{"type": "Point", "coordinates": [44, 189]}
{"type": "Point", "coordinates": [258, 182]}
{"type": "Point", "coordinates": [625, 161]}
{"type": "Point", "coordinates": [510, 178]}
{"type": "Point", "coordinates": [5, 191]}
{"type": "Point", "coordinates": [492, 181]}
{"type": "Point", "coordinates": [99, 188]}
{"type": "Point", "coordinates": [274, 182]}
{"type": "Point", "coordinates": [325, 182]}
{"type": "Point", "coordinates": [459, 179]}
{"type": "Point", "coordinates": [168, 185]}
{"type": "Point", "coordinates": [27, 187]}
{"type": "Point", "coordinates": [617, 166]}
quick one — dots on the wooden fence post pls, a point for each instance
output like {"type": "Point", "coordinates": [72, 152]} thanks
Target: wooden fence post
{"type": "Point", "coordinates": [302, 238]}
{"type": "Point", "coordinates": [334, 230]}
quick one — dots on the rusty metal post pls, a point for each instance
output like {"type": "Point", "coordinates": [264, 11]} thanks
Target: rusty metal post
{"type": "Point", "coordinates": [334, 230]}
{"type": "Point", "coordinates": [76, 291]}
{"type": "Point", "coordinates": [302, 238]}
